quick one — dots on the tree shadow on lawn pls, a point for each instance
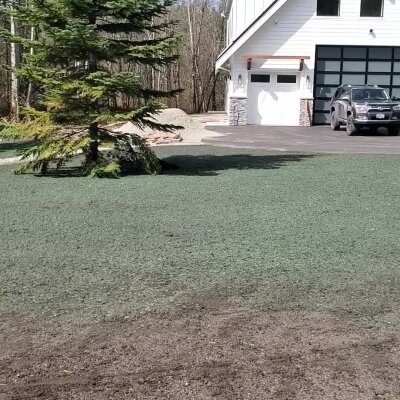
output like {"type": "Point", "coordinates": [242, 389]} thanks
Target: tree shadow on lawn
{"type": "Point", "coordinates": [64, 172]}
{"type": "Point", "coordinates": [196, 165]}
{"type": "Point", "coordinates": [210, 165]}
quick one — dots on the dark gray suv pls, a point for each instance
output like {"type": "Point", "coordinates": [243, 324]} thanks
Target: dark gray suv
{"type": "Point", "coordinates": [364, 106]}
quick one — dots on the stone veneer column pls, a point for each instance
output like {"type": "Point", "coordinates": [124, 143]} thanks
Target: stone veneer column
{"type": "Point", "coordinates": [306, 112]}
{"type": "Point", "coordinates": [238, 111]}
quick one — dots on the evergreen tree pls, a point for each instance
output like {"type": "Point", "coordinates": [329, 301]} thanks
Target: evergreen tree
{"type": "Point", "coordinates": [78, 43]}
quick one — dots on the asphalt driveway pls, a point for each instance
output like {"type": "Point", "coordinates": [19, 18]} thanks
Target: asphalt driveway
{"type": "Point", "coordinates": [317, 139]}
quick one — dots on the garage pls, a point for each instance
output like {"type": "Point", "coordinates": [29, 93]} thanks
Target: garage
{"type": "Point", "coordinates": [274, 99]}
{"type": "Point", "coordinates": [353, 65]}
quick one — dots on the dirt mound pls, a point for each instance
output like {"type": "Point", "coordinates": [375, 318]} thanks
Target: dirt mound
{"type": "Point", "coordinates": [171, 116]}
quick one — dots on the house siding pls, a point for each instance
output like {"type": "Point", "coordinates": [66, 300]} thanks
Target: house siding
{"type": "Point", "coordinates": [242, 14]}
{"type": "Point", "coordinates": [296, 30]}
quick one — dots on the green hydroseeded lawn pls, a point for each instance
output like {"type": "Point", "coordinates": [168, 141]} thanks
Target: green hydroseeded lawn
{"type": "Point", "coordinates": [284, 232]}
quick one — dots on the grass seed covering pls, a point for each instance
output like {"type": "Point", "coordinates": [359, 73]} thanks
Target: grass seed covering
{"type": "Point", "coordinates": [278, 231]}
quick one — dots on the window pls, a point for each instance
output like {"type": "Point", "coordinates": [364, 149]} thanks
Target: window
{"type": "Point", "coordinates": [350, 79]}
{"type": "Point", "coordinates": [383, 53]}
{"type": "Point", "coordinates": [354, 52]}
{"type": "Point", "coordinates": [379, 66]}
{"type": "Point", "coordinates": [287, 79]}
{"type": "Point", "coordinates": [329, 8]}
{"type": "Point", "coordinates": [329, 52]}
{"type": "Point", "coordinates": [380, 80]}
{"type": "Point", "coordinates": [329, 66]}
{"type": "Point", "coordinates": [328, 79]}
{"type": "Point", "coordinates": [371, 8]}
{"type": "Point", "coordinates": [354, 66]}
{"type": "Point", "coordinates": [260, 78]}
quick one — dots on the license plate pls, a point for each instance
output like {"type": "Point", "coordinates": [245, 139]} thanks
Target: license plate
{"type": "Point", "coordinates": [380, 116]}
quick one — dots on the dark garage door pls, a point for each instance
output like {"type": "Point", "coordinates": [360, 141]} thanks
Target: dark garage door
{"type": "Point", "coordinates": [339, 65]}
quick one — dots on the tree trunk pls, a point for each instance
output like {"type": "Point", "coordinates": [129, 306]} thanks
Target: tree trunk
{"type": "Point", "coordinates": [29, 94]}
{"type": "Point", "coordinates": [92, 155]}
{"type": "Point", "coordinates": [193, 56]}
{"type": "Point", "coordinates": [92, 61]}
{"type": "Point", "coordinates": [14, 104]}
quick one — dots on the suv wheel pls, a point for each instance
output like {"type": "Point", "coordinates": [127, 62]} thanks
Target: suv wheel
{"type": "Point", "coordinates": [335, 124]}
{"type": "Point", "coordinates": [393, 131]}
{"type": "Point", "coordinates": [350, 127]}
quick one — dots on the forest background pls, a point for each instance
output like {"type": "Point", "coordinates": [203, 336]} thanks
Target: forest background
{"type": "Point", "coordinates": [199, 24]}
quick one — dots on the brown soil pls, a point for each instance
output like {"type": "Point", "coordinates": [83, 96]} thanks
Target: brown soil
{"type": "Point", "coordinates": [210, 354]}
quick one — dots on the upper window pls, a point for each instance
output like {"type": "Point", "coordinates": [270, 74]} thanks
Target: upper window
{"type": "Point", "coordinates": [371, 8]}
{"type": "Point", "coordinates": [329, 8]}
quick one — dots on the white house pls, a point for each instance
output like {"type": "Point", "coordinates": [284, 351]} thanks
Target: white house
{"type": "Point", "coordinates": [285, 58]}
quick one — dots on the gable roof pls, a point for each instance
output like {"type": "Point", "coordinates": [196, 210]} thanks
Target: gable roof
{"type": "Point", "coordinates": [248, 32]}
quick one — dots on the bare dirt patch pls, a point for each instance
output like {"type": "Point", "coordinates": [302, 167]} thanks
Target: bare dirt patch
{"type": "Point", "coordinates": [210, 354]}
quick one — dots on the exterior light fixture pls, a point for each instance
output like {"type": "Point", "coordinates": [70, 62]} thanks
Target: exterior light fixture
{"type": "Point", "coordinates": [308, 82]}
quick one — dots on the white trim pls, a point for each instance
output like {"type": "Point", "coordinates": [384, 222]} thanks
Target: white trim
{"type": "Point", "coordinates": [235, 46]}
{"type": "Point", "coordinates": [228, 7]}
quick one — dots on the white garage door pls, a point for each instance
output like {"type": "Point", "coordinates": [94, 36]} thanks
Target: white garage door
{"type": "Point", "coordinates": [273, 99]}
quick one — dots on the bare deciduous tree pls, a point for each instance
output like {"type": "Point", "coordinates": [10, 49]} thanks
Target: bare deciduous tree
{"type": "Point", "coordinates": [14, 102]}
{"type": "Point", "coordinates": [197, 22]}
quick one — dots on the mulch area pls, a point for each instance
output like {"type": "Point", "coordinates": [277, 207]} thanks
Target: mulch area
{"type": "Point", "coordinates": [214, 353]}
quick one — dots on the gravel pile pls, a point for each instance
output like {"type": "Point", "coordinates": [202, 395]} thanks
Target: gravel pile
{"type": "Point", "coordinates": [192, 133]}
